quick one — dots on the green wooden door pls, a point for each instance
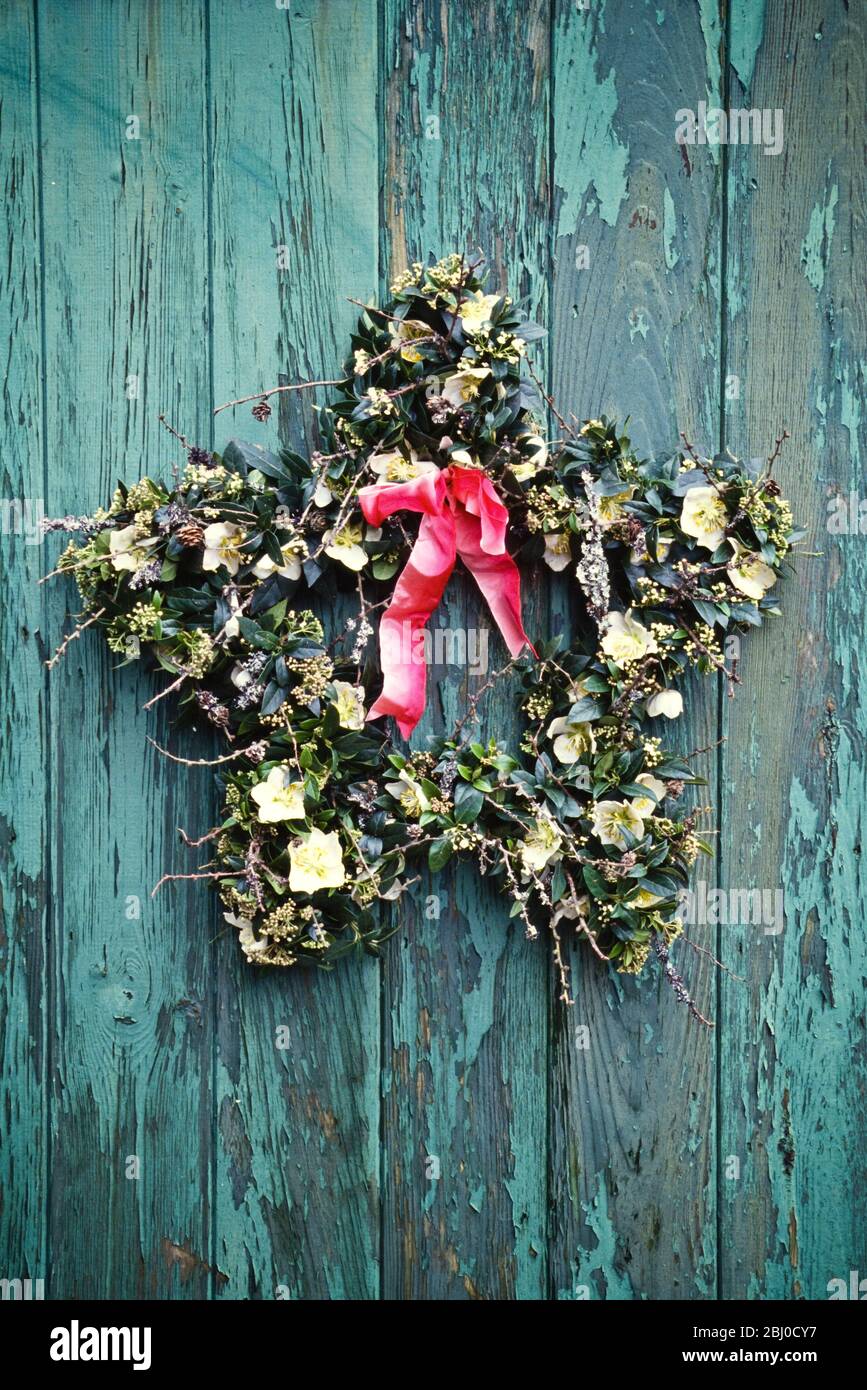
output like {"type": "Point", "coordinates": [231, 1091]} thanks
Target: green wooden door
{"type": "Point", "coordinates": [193, 191]}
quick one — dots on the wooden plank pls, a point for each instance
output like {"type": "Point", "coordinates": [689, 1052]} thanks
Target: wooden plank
{"type": "Point", "coordinates": [465, 93]}
{"type": "Point", "coordinates": [635, 331]}
{"type": "Point", "coordinates": [130, 1007]}
{"type": "Point", "coordinates": [23, 750]}
{"type": "Point", "coordinates": [295, 218]}
{"type": "Point", "coordinates": [793, 1071]}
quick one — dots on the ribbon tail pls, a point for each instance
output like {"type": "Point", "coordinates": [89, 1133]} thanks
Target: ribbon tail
{"type": "Point", "coordinates": [416, 595]}
{"type": "Point", "coordinates": [499, 580]}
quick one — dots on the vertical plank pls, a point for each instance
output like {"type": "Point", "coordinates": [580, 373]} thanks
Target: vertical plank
{"type": "Point", "coordinates": [125, 275]}
{"type": "Point", "coordinates": [636, 330]}
{"type": "Point", "coordinates": [295, 232]}
{"type": "Point", "coordinates": [23, 756]}
{"type": "Point", "coordinates": [793, 1072]}
{"type": "Point", "coordinates": [465, 144]}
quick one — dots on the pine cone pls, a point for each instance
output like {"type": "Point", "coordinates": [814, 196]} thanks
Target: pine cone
{"type": "Point", "coordinates": [190, 534]}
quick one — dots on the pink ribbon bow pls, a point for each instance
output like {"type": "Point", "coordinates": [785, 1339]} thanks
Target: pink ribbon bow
{"type": "Point", "coordinates": [461, 515]}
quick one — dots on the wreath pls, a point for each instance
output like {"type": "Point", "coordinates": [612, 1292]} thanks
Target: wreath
{"type": "Point", "coordinates": [434, 447]}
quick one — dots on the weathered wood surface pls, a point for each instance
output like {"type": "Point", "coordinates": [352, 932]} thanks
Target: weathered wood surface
{"type": "Point", "coordinates": [434, 1129]}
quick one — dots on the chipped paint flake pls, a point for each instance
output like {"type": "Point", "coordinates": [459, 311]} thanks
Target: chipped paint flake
{"type": "Point", "coordinates": [669, 230]}
{"type": "Point", "coordinates": [816, 246]}
{"type": "Point", "coordinates": [589, 152]}
{"type": "Point", "coordinates": [747, 32]}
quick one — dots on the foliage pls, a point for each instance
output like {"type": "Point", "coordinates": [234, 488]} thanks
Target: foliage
{"type": "Point", "coordinates": [323, 817]}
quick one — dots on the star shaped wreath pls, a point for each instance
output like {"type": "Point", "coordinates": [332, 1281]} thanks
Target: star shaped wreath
{"type": "Point", "coordinates": [435, 448]}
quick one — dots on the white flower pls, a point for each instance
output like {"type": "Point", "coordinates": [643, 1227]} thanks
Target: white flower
{"type": "Point", "coordinates": [350, 705]}
{"type": "Point", "coordinates": [704, 515]}
{"type": "Point", "coordinates": [625, 639]}
{"type": "Point", "coordinates": [664, 542]}
{"type": "Point", "coordinates": [751, 577]}
{"type": "Point", "coordinates": [463, 385]}
{"type": "Point", "coordinates": [323, 496]}
{"type": "Point", "coordinates": [407, 332]}
{"type": "Point", "coordinates": [246, 939]}
{"type": "Point", "coordinates": [571, 909]}
{"type": "Point", "coordinates": [278, 797]}
{"type": "Point", "coordinates": [409, 793]}
{"type": "Point", "coordinates": [290, 568]}
{"type": "Point", "coordinates": [571, 740]}
{"type": "Point", "coordinates": [540, 845]}
{"type": "Point", "coordinates": [395, 468]}
{"type": "Point", "coordinates": [610, 509]}
{"type": "Point", "coordinates": [223, 541]}
{"type": "Point", "coordinates": [646, 805]}
{"type": "Point", "coordinates": [667, 702]}
{"type": "Point", "coordinates": [128, 553]}
{"type": "Point", "coordinates": [529, 467]}
{"type": "Point", "coordinates": [612, 818]}
{"type": "Point", "coordinates": [239, 677]}
{"type": "Point", "coordinates": [345, 546]}
{"type": "Point", "coordinates": [316, 862]}
{"type": "Point", "coordinates": [232, 627]}
{"type": "Point", "coordinates": [644, 898]}
{"type": "Point", "coordinates": [558, 551]}
{"type": "Point", "coordinates": [361, 361]}
{"type": "Point", "coordinates": [476, 309]}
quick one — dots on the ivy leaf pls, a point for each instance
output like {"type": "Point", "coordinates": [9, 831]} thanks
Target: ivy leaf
{"type": "Point", "coordinates": [439, 854]}
{"type": "Point", "coordinates": [273, 698]}
{"type": "Point", "coordinates": [468, 803]}
{"type": "Point", "coordinates": [242, 458]}
{"type": "Point", "coordinates": [596, 884]}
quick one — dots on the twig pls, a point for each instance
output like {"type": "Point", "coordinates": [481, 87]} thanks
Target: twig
{"type": "Point", "coordinates": [78, 630]}
{"type": "Point", "coordinates": [474, 700]}
{"type": "Point", "coordinates": [688, 941]}
{"type": "Point", "coordinates": [676, 980]}
{"type": "Point", "coordinates": [708, 749]}
{"type": "Point", "coordinates": [778, 445]}
{"type": "Point", "coordinates": [562, 968]}
{"type": "Point", "coordinates": [194, 844]}
{"type": "Point", "coordinates": [564, 425]}
{"type": "Point", "coordinates": [274, 390]}
{"type": "Point", "coordinates": [582, 922]}
{"type": "Point", "coordinates": [700, 463]}
{"type": "Point", "coordinates": [200, 762]}
{"type": "Point", "coordinates": [169, 878]}
{"type": "Point", "coordinates": [175, 685]}
{"type": "Point", "coordinates": [171, 429]}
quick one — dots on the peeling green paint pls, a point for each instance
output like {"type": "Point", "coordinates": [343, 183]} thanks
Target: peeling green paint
{"type": "Point", "coordinates": [747, 32]}
{"type": "Point", "coordinates": [637, 323]}
{"type": "Point", "coordinates": [711, 28]}
{"type": "Point", "coordinates": [669, 230]}
{"type": "Point", "coordinates": [816, 246]}
{"type": "Point", "coordinates": [601, 1259]}
{"type": "Point", "coordinates": [589, 154]}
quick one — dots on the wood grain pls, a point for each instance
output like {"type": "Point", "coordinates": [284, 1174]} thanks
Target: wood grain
{"type": "Point", "coordinates": [25, 1036]}
{"type": "Point", "coordinates": [129, 1007]}
{"type": "Point", "coordinates": [429, 1127]}
{"type": "Point", "coordinates": [632, 1120]}
{"type": "Point", "coordinates": [464, 1124]}
{"type": "Point", "coordinates": [792, 1079]}
{"type": "Point", "coordinates": [295, 167]}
